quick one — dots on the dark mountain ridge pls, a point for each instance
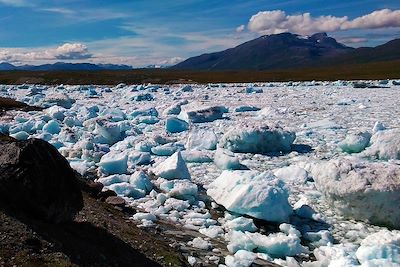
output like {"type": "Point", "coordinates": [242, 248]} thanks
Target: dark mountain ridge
{"type": "Point", "coordinates": [286, 51]}
{"type": "Point", "coordinates": [62, 66]}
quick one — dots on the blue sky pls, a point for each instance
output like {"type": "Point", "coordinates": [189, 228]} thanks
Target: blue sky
{"type": "Point", "coordinates": [142, 32]}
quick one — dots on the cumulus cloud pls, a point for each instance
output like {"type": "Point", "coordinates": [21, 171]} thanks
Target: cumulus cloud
{"type": "Point", "coordinates": [277, 21]}
{"type": "Point", "coordinates": [67, 51]}
{"type": "Point", "coordinates": [71, 51]}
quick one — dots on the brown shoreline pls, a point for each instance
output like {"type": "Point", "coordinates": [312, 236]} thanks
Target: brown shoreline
{"type": "Point", "coordinates": [369, 71]}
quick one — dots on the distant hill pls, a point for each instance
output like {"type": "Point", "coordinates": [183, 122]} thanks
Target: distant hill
{"type": "Point", "coordinates": [61, 66]}
{"type": "Point", "coordinates": [287, 51]}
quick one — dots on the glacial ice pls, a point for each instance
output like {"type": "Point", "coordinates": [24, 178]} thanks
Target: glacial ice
{"type": "Point", "coordinates": [381, 249]}
{"type": "Point", "coordinates": [355, 143]}
{"type": "Point", "coordinates": [202, 139]}
{"type": "Point", "coordinates": [114, 162]}
{"type": "Point", "coordinates": [257, 139]}
{"type": "Point", "coordinates": [101, 126]}
{"type": "Point", "coordinates": [173, 167]}
{"type": "Point", "coordinates": [277, 245]}
{"type": "Point", "coordinates": [175, 125]}
{"type": "Point", "coordinates": [52, 127]}
{"type": "Point", "coordinates": [385, 145]}
{"type": "Point", "coordinates": [361, 190]}
{"type": "Point", "coordinates": [202, 114]}
{"type": "Point", "coordinates": [260, 195]}
{"type": "Point", "coordinates": [226, 160]}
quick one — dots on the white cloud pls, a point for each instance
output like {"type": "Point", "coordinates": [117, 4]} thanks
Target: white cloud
{"type": "Point", "coordinates": [59, 10]}
{"type": "Point", "coordinates": [384, 18]}
{"type": "Point", "coordinates": [352, 40]}
{"type": "Point", "coordinates": [68, 51]}
{"type": "Point", "coordinates": [71, 51]}
{"type": "Point", "coordinates": [240, 28]}
{"type": "Point", "coordinates": [16, 3]}
{"type": "Point", "coordinates": [171, 61]}
{"type": "Point", "coordinates": [277, 21]}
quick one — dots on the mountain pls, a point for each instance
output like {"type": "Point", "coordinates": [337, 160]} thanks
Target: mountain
{"type": "Point", "coordinates": [286, 51]}
{"type": "Point", "coordinates": [61, 66]}
{"type": "Point", "coordinates": [386, 52]}
{"type": "Point", "coordinates": [267, 52]}
{"type": "Point", "coordinates": [7, 66]}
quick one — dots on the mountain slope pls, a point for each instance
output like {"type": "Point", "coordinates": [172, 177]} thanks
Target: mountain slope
{"type": "Point", "coordinates": [386, 52]}
{"type": "Point", "coordinates": [288, 51]}
{"type": "Point", "coordinates": [279, 51]}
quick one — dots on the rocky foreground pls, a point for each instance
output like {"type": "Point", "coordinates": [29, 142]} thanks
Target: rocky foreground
{"type": "Point", "coordinates": [52, 216]}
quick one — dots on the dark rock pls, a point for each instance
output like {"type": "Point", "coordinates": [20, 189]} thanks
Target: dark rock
{"type": "Point", "coordinates": [93, 188]}
{"type": "Point", "coordinates": [103, 195]}
{"type": "Point", "coordinates": [116, 201]}
{"type": "Point", "coordinates": [36, 179]}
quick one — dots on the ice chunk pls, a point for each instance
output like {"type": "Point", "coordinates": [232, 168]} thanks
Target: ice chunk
{"type": "Point", "coordinates": [147, 120]}
{"type": "Point", "coordinates": [383, 245]}
{"type": "Point", "coordinates": [109, 130]}
{"type": "Point", "coordinates": [191, 260]}
{"type": "Point", "coordinates": [145, 146]}
{"type": "Point", "coordinates": [175, 125]}
{"type": "Point", "coordinates": [241, 258]}
{"type": "Point", "coordinates": [127, 190]}
{"type": "Point", "coordinates": [187, 88]}
{"type": "Point", "coordinates": [72, 121]}
{"type": "Point", "coordinates": [202, 139]}
{"type": "Point", "coordinates": [257, 139]}
{"type": "Point", "coordinates": [226, 160]}
{"type": "Point", "coordinates": [22, 135]}
{"type": "Point", "coordinates": [144, 112]}
{"type": "Point", "coordinates": [81, 166]}
{"type": "Point", "coordinates": [114, 179]}
{"type": "Point", "coordinates": [260, 195]}
{"type": "Point", "coordinates": [320, 238]}
{"type": "Point", "coordinates": [335, 255]}
{"type": "Point", "coordinates": [180, 189]}
{"type": "Point", "coordinates": [59, 99]}
{"type": "Point", "coordinates": [213, 231]}
{"type": "Point", "coordinates": [201, 114]}
{"type": "Point", "coordinates": [195, 156]}
{"type": "Point", "coordinates": [200, 243]}
{"type": "Point", "coordinates": [56, 112]}
{"type": "Point", "coordinates": [361, 190]}
{"type": "Point", "coordinates": [385, 145]}
{"type": "Point", "coordinates": [324, 124]}
{"type": "Point", "coordinates": [173, 168]}
{"type": "Point", "coordinates": [52, 127]}
{"type": "Point", "coordinates": [139, 216]}
{"type": "Point", "coordinates": [247, 109]}
{"type": "Point", "coordinates": [165, 150]}
{"type": "Point", "coordinates": [174, 109]}
{"type": "Point", "coordinates": [292, 174]}
{"type": "Point", "coordinates": [253, 90]}
{"type": "Point", "coordinates": [355, 143]}
{"type": "Point", "coordinates": [241, 224]}
{"type": "Point", "coordinates": [114, 163]}
{"type": "Point", "coordinates": [378, 126]}
{"type": "Point", "coordinates": [277, 245]}
{"type": "Point", "coordinates": [142, 182]}
{"type": "Point", "coordinates": [144, 97]}
{"type": "Point", "coordinates": [138, 158]}
{"type": "Point", "coordinates": [114, 114]}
